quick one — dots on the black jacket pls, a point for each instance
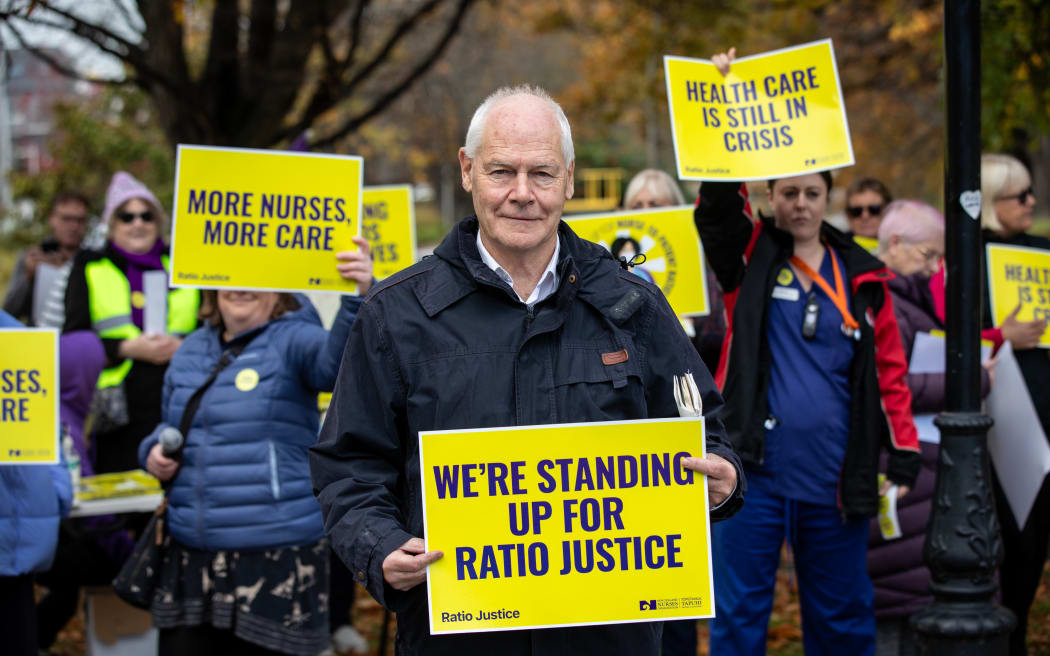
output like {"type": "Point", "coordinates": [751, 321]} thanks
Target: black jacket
{"type": "Point", "coordinates": [747, 257]}
{"type": "Point", "coordinates": [1034, 364]}
{"type": "Point", "coordinates": [445, 344]}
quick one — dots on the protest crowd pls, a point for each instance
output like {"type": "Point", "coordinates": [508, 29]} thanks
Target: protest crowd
{"type": "Point", "coordinates": [801, 370]}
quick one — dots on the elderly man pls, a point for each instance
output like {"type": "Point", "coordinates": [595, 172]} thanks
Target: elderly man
{"type": "Point", "coordinates": [505, 325]}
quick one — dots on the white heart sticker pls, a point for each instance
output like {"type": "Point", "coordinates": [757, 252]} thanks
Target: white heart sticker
{"type": "Point", "coordinates": [971, 203]}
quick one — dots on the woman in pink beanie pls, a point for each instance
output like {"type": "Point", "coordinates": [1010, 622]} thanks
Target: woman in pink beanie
{"type": "Point", "coordinates": [106, 293]}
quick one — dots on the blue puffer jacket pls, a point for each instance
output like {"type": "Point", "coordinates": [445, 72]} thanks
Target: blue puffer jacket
{"type": "Point", "coordinates": [244, 482]}
{"type": "Point", "coordinates": [33, 498]}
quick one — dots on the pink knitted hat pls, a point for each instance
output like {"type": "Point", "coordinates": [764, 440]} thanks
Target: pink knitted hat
{"type": "Point", "coordinates": [122, 188]}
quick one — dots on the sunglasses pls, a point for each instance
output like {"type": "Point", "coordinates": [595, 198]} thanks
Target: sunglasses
{"type": "Point", "coordinates": [854, 211]}
{"type": "Point", "coordinates": [129, 217]}
{"type": "Point", "coordinates": [1021, 197]}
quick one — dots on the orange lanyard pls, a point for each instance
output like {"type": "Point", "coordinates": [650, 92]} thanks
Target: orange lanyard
{"type": "Point", "coordinates": [837, 296]}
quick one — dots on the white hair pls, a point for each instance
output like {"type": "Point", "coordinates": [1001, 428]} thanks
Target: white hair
{"type": "Point", "coordinates": [658, 183]}
{"type": "Point", "coordinates": [912, 221]}
{"type": "Point", "coordinates": [477, 122]}
{"type": "Point", "coordinates": [1000, 174]}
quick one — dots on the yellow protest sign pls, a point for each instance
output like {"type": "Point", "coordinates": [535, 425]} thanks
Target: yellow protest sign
{"type": "Point", "coordinates": [776, 114]}
{"type": "Point", "coordinates": [388, 222]}
{"type": "Point", "coordinates": [566, 524]}
{"type": "Point", "coordinates": [674, 260]}
{"type": "Point", "coordinates": [29, 396]}
{"type": "Point", "coordinates": [263, 219]}
{"type": "Point", "coordinates": [1017, 274]}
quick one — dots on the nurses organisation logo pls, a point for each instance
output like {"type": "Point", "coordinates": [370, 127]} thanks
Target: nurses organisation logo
{"type": "Point", "coordinates": [625, 237]}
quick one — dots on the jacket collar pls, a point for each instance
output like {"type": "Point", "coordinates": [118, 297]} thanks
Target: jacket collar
{"type": "Point", "coordinates": [582, 266]}
{"type": "Point", "coordinates": [577, 262]}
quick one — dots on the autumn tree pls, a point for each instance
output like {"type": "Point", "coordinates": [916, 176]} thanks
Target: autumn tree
{"type": "Point", "coordinates": [1015, 87]}
{"type": "Point", "coordinates": [419, 136]}
{"type": "Point", "coordinates": [256, 73]}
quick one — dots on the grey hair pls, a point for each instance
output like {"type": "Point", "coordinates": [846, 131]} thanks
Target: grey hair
{"type": "Point", "coordinates": [658, 183]}
{"type": "Point", "coordinates": [477, 122]}
{"type": "Point", "coordinates": [912, 221]}
{"type": "Point", "coordinates": [999, 173]}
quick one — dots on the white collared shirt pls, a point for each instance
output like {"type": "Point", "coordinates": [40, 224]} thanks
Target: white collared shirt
{"type": "Point", "coordinates": [548, 281]}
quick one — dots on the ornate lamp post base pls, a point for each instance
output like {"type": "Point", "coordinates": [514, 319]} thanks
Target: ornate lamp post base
{"type": "Point", "coordinates": [963, 547]}
{"type": "Point", "coordinates": [964, 629]}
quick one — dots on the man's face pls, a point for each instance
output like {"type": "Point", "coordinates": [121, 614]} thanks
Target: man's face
{"type": "Point", "coordinates": [68, 223]}
{"type": "Point", "coordinates": [518, 179]}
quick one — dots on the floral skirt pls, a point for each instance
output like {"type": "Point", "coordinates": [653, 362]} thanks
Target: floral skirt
{"type": "Point", "coordinates": [275, 598]}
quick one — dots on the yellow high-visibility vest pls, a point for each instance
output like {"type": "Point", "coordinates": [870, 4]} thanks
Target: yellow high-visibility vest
{"type": "Point", "coordinates": [109, 296]}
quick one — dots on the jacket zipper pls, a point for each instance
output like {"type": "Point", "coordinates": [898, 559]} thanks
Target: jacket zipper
{"type": "Point", "coordinates": [275, 483]}
{"type": "Point", "coordinates": [530, 314]}
{"type": "Point", "coordinates": [200, 472]}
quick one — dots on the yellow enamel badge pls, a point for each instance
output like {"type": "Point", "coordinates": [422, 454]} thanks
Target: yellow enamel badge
{"type": "Point", "coordinates": [246, 380]}
{"type": "Point", "coordinates": [138, 300]}
{"type": "Point", "coordinates": [785, 276]}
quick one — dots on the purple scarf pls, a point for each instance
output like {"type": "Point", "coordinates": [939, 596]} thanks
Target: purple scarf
{"type": "Point", "coordinates": [135, 265]}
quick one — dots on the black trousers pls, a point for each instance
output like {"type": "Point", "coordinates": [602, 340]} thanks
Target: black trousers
{"type": "Point", "coordinates": [79, 561]}
{"type": "Point", "coordinates": [679, 638]}
{"type": "Point", "coordinates": [205, 640]}
{"type": "Point", "coordinates": [1025, 553]}
{"type": "Point", "coordinates": [17, 615]}
{"type": "Point", "coordinates": [341, 593]}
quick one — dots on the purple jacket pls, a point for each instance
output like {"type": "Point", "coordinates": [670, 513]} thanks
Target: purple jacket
{"type": "Point", "coordinates": [81, 359]}
{"type": "Point", "coordinates": [901, 581]}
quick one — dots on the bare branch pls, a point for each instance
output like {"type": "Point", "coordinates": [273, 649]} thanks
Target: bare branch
{"type": "Point", "coordinates": [90, 31]}
{"type": "Point", "coordinates": [355, 33]}
{"type": "Point", "coordinates": [331, 64]}
{"type": "Point", "coordinates": [324, 96]}
{"type": "Point", "coordinates": [391, 95]}
{"type": "Point", "coordinates": [91, 34]}
{"type": "Point", "coordinates": [395, 37]}
{"type": "Point", "coordinates": [59, 66]}
{"type": "Point", "coordinates": [126, 15]}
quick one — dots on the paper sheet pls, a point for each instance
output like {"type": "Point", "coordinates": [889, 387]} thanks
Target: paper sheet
{"type": "Point", "coordinates": [45, 278]}
{"type": "Point", "coordinates": [1016, 443]}
{"type": "Point", "coordinates": [928, 353]}
{"type": "Point", "coordinates": [155, 314]}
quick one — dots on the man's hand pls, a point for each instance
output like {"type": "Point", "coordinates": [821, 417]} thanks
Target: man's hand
{"type": "Point", "coordinates": [161, 466]}
{"type": "Point", "coordinates": [155, 349]}
{"type": "Point", "coordinates": [885, 487]}
{"type": "Point", "coordinates": [356, 265]}
{"type": "Point", "coordinates": [34, 256]}
{"type": "Point", "coordinates": [406, 566]}
{"type": "Point", "coordinates": [721, 476]}
{"type": "Point", "coordinates": [1022, 334]}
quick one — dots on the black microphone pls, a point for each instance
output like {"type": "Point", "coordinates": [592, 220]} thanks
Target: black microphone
{"type": "Point", "coordinates": [170, 441]}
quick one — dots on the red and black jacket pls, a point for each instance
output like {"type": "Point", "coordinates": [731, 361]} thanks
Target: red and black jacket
{"type": "Point", "coordinates": [746, 257]}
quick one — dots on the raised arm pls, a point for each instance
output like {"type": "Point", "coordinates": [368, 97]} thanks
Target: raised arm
{"type": "Point", "coordinates": [723, 219]}
{"type": "Point", "coordinates": [316, 352]}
